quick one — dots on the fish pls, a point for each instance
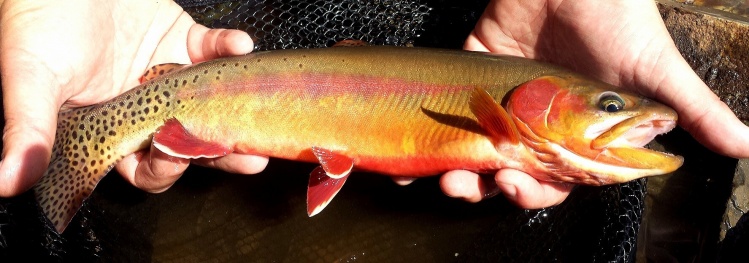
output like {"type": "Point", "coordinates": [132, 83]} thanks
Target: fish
{"type": "Point", "coordinates": [397, 111]}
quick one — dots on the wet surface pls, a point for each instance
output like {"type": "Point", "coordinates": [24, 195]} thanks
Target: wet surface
{"type": "Point", "coordinates": [715, 43]}
{"type": "Point", "coordinates": [739, 7]}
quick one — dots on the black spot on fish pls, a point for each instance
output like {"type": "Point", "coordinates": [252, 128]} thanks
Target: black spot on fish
{"type": "Point", "coordinates": [81, 126]}
{"type": "Point", "coordinates": [184, 82]}
{"type": "Point", "coordinates": [137, 92]}
{"type": "Point", "coordinates": [102, 139]}
{"type": "Point", "coordinates": [148, 92]}
{"type": "Point", "coordinates": [168, 104]}
{"type": "Point", "coordinates": [223, 65]}
{"type": "Point", "coordinates": [148, 100]}
{"type": "Point", "coordinates": [166, 94]}
{"type": "Point", "coordinates": [155, 109]}
{"type": "Point", "coordinates": [219, 72]}
{"type": "Point", "coordinates": [129, 105]}
{"type": "Point", "coordinates": [205, 72]}
{"type": "Point", "coordinates": [132, 122]}
{"type": "Point", "coordinates": [112, 133]}
{"type": "Point", "coordinates": [166, 81]}
{"type": "Point", "coordinates": [245, 66]}
{"type": "Point", "coordinates": [300, 65]}
{"type": "Point", "coordinates": [217, 77]}
{"type": "Point", "coordinates": [161, 72]}
{"type": "Point", "coordinates": [146, 110]}
{"type": "Point", "coordinates": [156, 88]}
{"type": "Point", "coordinates": [236, 64]}
{"type": "Point", "coordinates": [103, 113]}
{"type": "Point", "coordinates": [119, 122]}
{"type": "Point", "coordinates": [140, 101]}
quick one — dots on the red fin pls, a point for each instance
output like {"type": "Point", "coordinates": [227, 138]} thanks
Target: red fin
{"type": "Point", "coordinates": [174, 140]}
{"type": "Point", "coordinates": [159, 70]}
{"type": "Point", "coordinates": [493, 118]}
{"type": "Point", "coordinates": [351, 43]}
{"type": "Point", "coordinates": [335, 165]}
{"type": "Point", "coordinates": [321, 190]}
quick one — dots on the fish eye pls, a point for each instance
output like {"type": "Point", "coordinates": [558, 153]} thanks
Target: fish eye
{"type": "Point", "coordinates": [611, 102]}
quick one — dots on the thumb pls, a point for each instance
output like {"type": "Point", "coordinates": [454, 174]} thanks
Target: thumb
{"type": "Point", "coordinates": [30, 110]}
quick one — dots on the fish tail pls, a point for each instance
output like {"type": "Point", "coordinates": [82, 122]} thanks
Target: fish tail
{"type": "Point", "coordinates": [81, 155]}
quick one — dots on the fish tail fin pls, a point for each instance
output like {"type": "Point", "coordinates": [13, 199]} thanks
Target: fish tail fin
{"type": "Point", "coordinates": [80, 158]}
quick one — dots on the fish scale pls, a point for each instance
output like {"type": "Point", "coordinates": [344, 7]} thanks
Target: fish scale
{"type": "Point", "coordinates": [394, 111]}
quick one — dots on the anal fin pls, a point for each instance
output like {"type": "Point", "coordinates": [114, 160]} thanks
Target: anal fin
{"type": "Point", "coordinates": [173, 139]}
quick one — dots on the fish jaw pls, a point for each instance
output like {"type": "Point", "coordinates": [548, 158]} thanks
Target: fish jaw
{"type": "Point", "coordinates": [579, 141]}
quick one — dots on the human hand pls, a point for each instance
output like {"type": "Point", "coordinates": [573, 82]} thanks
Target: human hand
{"type": "Point", "coordinates": [67, 54]}
{"type": "Point", "coordinates": [624, 43]}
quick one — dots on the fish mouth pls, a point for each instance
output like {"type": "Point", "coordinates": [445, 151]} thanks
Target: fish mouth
{"type": "Point", "coordinates": [623, 144]}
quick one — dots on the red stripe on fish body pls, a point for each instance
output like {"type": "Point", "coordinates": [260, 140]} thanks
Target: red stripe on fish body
{"type": "Point", "coordinates": [385, 122]}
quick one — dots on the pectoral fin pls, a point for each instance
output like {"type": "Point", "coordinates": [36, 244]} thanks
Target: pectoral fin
{"type": "Point", "coordinates": [173, 139]}
{"type": "Point", "coordinates": [493, 118]}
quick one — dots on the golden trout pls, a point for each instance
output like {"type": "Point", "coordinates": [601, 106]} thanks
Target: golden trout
{"type": "Point", "coordinates": [395, 111]}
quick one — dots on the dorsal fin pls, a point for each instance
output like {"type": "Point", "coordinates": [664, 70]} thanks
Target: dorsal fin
{"type": "Point", "coordinates": [493, 118]}
{"type": "Point", "coordinates": [159, 70]}
{"type": "Point", "coordinates": [351, 43]}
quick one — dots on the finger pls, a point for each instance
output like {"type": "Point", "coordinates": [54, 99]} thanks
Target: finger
{"type": "Point", "coordinates": [473, 43]}
{"type": "Point", "coordinates": [700, 111]}
{"type": "Point", "coordinates": [235, 163]}
{"type": "Point", "coordinates": [30, 124]}
{"type": "Point", "coordinates": [466, 185]}
{"type": "Point", "coordinates": [529, 193]}
{"type": "Point", "coordinates": [206, 44]}
{"type": "Point", "coordinates": [403, 181]}
{"type": "Point", "coordinates": [152, 171]}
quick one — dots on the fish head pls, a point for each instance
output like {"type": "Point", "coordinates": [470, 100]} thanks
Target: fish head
{"type": "Point", "coordinates": [584, 131]}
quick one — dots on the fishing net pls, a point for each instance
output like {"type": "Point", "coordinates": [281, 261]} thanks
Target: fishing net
{"type": "Point", "coordinates": [595, 223]}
